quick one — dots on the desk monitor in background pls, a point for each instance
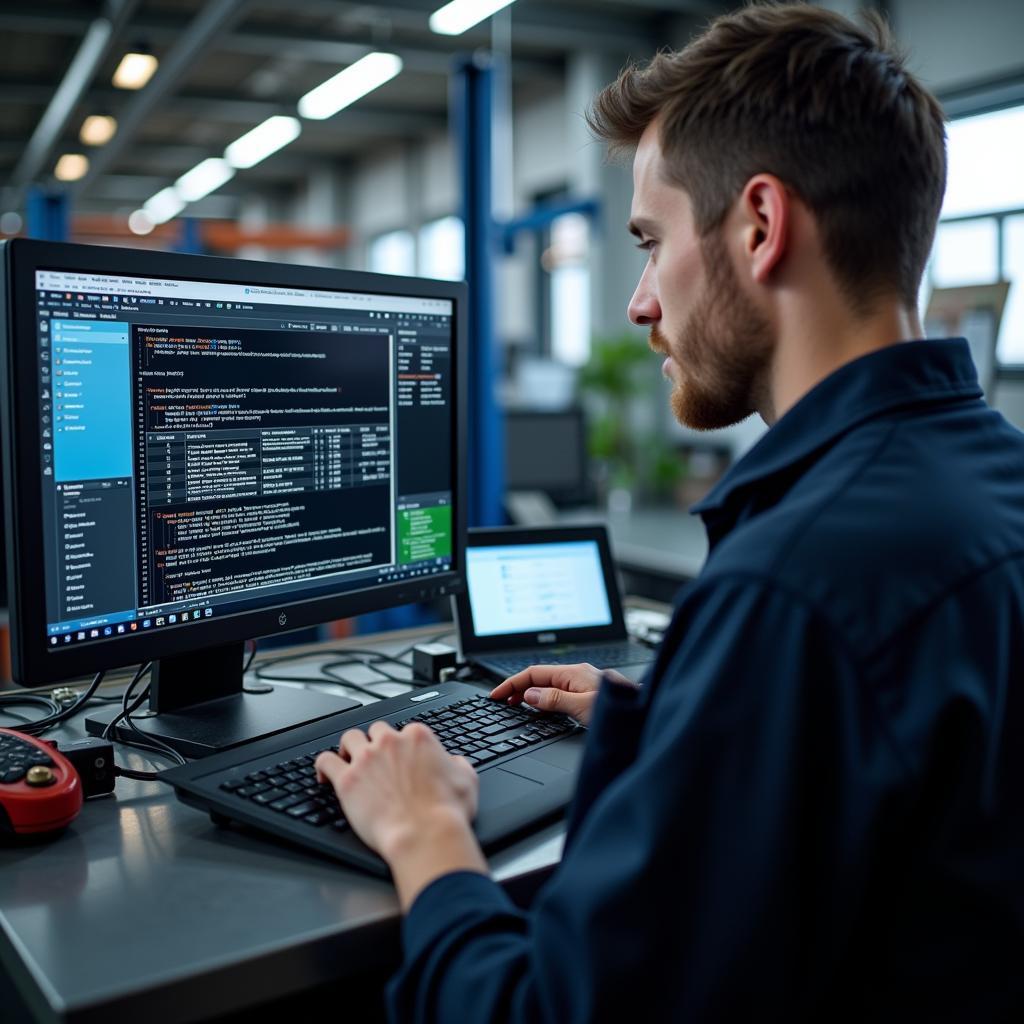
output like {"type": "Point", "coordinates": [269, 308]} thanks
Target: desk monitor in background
{"type": "Point", "coordinates": [546, 451]}
{"type": "Point", "coordinates": [199, 450]}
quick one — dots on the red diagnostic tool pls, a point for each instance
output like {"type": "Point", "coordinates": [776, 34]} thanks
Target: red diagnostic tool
{"type": "Point", "coordinates": [39, 788]}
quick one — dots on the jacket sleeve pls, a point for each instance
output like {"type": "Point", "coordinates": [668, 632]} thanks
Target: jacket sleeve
{"type": "Point", "coordinates": [717, 876]}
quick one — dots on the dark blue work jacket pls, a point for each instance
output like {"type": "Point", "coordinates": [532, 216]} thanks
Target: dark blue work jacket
{"type": "Point", "coordinates": [814, 808]}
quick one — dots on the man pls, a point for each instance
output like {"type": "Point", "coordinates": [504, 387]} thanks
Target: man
{"type": "Point", "coordinates": [812, 807]}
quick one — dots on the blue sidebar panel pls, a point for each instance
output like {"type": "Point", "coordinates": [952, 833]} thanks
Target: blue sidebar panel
{"type": "Point", "coordinates": [92, 400]}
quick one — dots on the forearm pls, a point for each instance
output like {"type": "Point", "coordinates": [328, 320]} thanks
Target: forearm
{"type": "Point", "coordinates": [427, 849]}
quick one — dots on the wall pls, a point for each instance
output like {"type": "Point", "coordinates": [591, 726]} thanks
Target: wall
{"type": "Point", "coordinates": [955, 44]}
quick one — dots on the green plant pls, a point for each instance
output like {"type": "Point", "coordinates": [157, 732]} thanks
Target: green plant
{"type": "Point", "coordinates": [617, 374]}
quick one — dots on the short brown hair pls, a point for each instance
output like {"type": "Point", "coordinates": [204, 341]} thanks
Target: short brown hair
{"type": "Point", "coordinates": [826, 106]}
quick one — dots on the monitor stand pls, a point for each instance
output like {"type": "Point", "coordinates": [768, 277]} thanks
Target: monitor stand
{"type": "Point", "coordinates": [198, 707]}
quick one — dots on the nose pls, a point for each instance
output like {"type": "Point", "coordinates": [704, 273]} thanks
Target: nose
{"type": "Point", "coordinates": [644, 309]}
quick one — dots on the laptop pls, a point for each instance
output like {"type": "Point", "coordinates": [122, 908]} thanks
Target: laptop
{"type": "Point", "coordinates": [543, 596]}
{"type": "Point", "coordinates": [527, 763]}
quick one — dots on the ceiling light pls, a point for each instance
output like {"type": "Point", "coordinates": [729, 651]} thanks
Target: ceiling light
{"type": "Point", "coordinates": [164, 205]}
{"type": "Point", "coordinates": [97, 129]}
{"type": "Point", "coordinates": [453, 19]}
{"type": "Point", "coordinates": [347, 86]}
{"type": "Point", "coordinates": [263, 140]}
{"type": "Point", "coordinates": [140, 222]}
{"type": "Point", "coordinates": [71, 167]}
{"type": "Point", "coordinates": [135, 70]}
{"type": "Point", "coordinates": [203, 179]}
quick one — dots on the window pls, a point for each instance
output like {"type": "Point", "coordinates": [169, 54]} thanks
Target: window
{"type": "Point", "coordinates": [980, 237]}
{"type": "Point", "coordinates": [393, 253]}
{"type": "Point", "coordinates": [566, 262]}
{"type": "Point", "coordinates": [442, 249]}
{"type": "Point", "coordinates": [966, 252]}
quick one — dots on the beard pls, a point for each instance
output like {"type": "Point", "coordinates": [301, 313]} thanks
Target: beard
{"type": "Point", "coordinates": [723, 352]}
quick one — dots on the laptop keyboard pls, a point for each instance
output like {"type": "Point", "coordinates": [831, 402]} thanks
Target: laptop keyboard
{"type": "Point", "coordinates": [626, 653]}
{"type": "Point", "coordinates": [477, 728]}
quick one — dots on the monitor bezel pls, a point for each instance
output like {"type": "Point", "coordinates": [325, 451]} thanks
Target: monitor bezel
{"type": "Point", "coordinates": [33, 660]}
{"type": "Point", "coordinates": [471, 642]}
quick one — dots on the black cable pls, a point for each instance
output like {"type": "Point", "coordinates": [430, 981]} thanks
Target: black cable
{"type": "Point", "coordinates": [48, 704]}
{"type": "Point", "coordinates": [57, 714]}
{"type": "Point", "coordinates": [108, 732]}
{"type": "Point", "coordinates": [252, 654]}
{"type": "Point", "coordinates": [324, 669]}
{"type": "Point", "coordinates": [138, 738]}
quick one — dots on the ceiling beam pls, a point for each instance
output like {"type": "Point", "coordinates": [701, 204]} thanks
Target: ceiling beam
{"type": "Point", "coordinates": [99, 38]}
{"type": "Point", "coordinates": [213, 19]}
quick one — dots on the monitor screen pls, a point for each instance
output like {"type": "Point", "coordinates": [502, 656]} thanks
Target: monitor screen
{"type": "Point", "coordinates": [545, 450]}
{"type": "Point", "coordinates": [223, 447]}
{"type": "Point", "coordinates": [528, 588]}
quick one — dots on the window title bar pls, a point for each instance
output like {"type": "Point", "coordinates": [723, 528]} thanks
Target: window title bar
{"type": "Point", "coordinates": [156, 287]}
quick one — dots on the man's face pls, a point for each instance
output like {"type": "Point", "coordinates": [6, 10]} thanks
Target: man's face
{"type": "Point", "coordinates": [719, 345]}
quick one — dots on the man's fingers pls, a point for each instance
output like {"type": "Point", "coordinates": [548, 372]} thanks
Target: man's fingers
{"type": "Point", "coordinates": [580, 678]}
{"type": "Point", "coordinates": [378, 730]}
{"type": "Point", "coordinates": [330, 768]}
{"type": "Point", "coordinates": [352, 741]}
{"type": "Point", "coordinates": [550, 699]}
{"type": "Point", "coordinates": [535, 675]}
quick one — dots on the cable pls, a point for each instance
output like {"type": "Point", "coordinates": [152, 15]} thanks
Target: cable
{"type": "Point", "coordinates": [108, 732]}
{"type": "Point", "coordinates": [252, 654]}
{"type": "Point", "coordinates": [57, 713]}
{"type": "Point", "coordinates": [139, 738]}
{"type": "Point", "coordinates": [366, 658]}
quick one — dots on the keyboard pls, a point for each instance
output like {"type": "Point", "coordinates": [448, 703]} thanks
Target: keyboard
{"type": "Point", "coordinates": [477, 728]}
{"type": "Point", "coordinates": [601, 655]}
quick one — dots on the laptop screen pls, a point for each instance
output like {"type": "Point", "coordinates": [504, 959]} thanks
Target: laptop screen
{"type": "Point", "coordinates": [528, 588]}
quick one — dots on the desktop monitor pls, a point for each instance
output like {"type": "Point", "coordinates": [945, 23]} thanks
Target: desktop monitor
{"type": "Point", "coordinates": [198, 450]}
{"type": "Point", "coordinates": [546, 450]}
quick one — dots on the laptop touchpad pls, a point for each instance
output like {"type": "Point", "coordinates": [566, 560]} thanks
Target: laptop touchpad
{"type": "Point", "coordinates": [498, 787]}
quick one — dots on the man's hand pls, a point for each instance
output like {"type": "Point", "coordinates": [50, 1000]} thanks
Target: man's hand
{"type": "Point", "coordinates": [570, 689]}
{"type": "Point", "coordinates": [409, 800]}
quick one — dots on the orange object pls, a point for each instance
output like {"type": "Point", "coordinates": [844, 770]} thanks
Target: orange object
{"type": "Point", "coordinates": [224, 235]}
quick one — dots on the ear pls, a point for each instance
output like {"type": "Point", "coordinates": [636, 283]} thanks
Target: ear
{"type": "Point", "coordinates": [765, 209]}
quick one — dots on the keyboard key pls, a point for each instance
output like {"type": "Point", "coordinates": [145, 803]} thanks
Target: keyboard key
{"type": "Point", "coordinates": [269, 796]}
{"type": "Point", "coordinates": [301, 810]}
{"type": "Point", "coordinates": [248, 791]}
{"type": "Point", "coordinates": [317, 818]}
{"type": "Point", "coordinates": [288, 801]}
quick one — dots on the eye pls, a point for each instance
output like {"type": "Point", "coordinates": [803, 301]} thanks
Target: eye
{"type": "Point", "coordinates": [647, 245]}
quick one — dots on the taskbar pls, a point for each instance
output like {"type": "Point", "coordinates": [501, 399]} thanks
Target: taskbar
{"type": "Point", "coordinates": [125, 623]}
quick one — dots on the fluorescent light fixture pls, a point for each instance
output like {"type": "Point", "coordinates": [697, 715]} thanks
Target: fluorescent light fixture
{"type": "Point", "coordinates": [263, 140]}
{"type": "Point", "coordinates": [164, 205]}
{"type": "Point", "coordinates": [203, 179]}
{"type": "Point", "coordinates": [134, 71]}
{"type": "Point", "coordinates": [71, 167]}
{"type": "Point", "coordinates": [97, 129]}
{"type": "Point", "coordinates": [140, 222]}
{"type": "Point", "coordinates": [347, 86]}
{"type": "Point", "coordinates": [453, 19]}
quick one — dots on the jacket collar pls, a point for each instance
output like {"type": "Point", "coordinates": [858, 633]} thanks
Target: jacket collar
{"type": "Point", "coordinates": [899, 376]}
